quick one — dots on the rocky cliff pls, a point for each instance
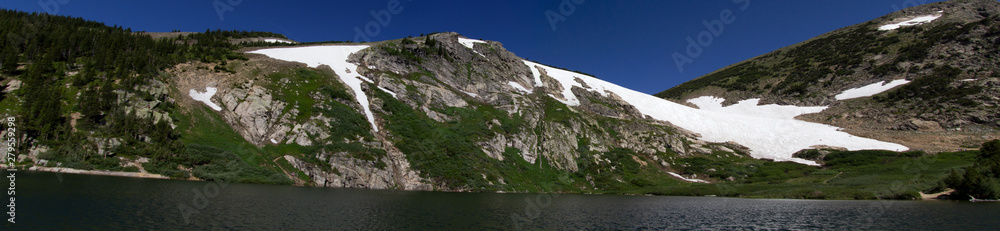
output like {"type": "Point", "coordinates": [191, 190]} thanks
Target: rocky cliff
{"type": "Point", "coordinates": [484, 99]}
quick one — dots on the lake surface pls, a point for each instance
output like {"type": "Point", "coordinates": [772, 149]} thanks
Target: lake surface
{"type": "Point", "coordinates": [50, 201]}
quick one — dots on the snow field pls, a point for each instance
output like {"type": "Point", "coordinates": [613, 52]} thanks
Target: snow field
{"type": "Point", "coordinates": [770, 131]}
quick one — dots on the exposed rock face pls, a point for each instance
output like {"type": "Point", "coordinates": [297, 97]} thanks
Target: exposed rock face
{"type": "Point", "coordinates": [488, 79]}
{"type": "Point", "coordinates": [256, 114]}
{"type": "Point", "coordinates": [353, 173]}
{"type": "Point", "coordinates": [450, 75]}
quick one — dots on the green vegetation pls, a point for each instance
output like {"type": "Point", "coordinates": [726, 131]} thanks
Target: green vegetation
{"type": "Point", "coordinates": [448, 153]}
{"type": "Point", "coordinates": [215, 164]}
{"type": "Point", "coordinates": [401, 50]}
{"type": "Point", "coordinates": [847, 175]}
{"type": "Point", "coordinates": [981, 180]}
{"type": "Point", "coordinates": [414, 53]}
{"type": "Point", "coordinates": [934, 89]}
{"type": "Point", "coordinates": [109, 67]}
{"type": "Point", "coordinates": [216, 152]}
{"type": "Point", "coordinates": [556, 111]}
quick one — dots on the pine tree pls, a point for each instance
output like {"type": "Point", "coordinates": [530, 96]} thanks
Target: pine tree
{"type": "Point", "coordinates": [9, 59]}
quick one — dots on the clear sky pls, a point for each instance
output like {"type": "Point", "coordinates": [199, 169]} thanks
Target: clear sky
{"type": "Point", "coordinates": [631, 43]}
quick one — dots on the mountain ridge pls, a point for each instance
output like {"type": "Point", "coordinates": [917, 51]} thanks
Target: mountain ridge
{"type": "Point", "coordinates": [813, 72]}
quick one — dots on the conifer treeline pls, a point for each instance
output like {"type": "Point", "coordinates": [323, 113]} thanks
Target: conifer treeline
{"type": "Point", "coordinates": [109, 61]}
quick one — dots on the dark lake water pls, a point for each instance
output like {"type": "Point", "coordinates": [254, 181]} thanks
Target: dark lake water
{"type": "Point", "coordinates": [49, 201]}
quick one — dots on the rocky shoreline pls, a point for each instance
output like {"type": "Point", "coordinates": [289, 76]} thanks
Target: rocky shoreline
{"type": "Point", "coordinates": [97, 172]}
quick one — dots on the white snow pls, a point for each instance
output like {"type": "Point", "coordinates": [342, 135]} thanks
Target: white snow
{"type": "Point", "coordinates": [751, 107]}
{"type": "Point", "coordinates": [336, 58]}
{"type": "Point", "coordinates": [770, 131]}
{"type": "Point", "coordinates": [276, 41]}
{"type": "Point", "coordinates": [566, 79]}
{"type": "Point", "coordinates": [274, 141]}
{"type": "Point", "coordinates": [205, 97]}
{"type": "Point", "coordinates": [686, 179]}
{"type": "Point", "coordinates": [968, 80]}
{"type": "Point", "coordinates": [870, 90]}
{"type": "Point", "coordinates": [535, 73]}
{"type": "Point", "coordinates": [470, 43]}
{"type": "Point", "coordinates": [915, 21]}
{"type": "Point", "coordinates": [472, 94]}
{"type": "Point", "coordinates": [388, 91]}
{"type": "Point", "coordinates": [519, 87]}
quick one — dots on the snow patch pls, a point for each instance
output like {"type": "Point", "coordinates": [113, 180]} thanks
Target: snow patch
{"type": "Point", "coordinates": [770, 131]}
{"type": "Point", "coordinates": [470, 93]}
{"type": "Point", "coordinates": [870, 90]}
{"type": "Point", "coordinates": [336, 58]}
{"type": "Point", "coordinates": [277, 41]}
{"type": "Point", "coordinates": [912, 22]}
{"type": "Point", "coordinates": [686, 179]}
{"type": "Point", "coordinates": [470, 43]}
{"type": "Point", "coordinates": [388, 91]}
{"type": "Point", "coordinates": [535, 73]}
{"type": "Point", "coordinates": [205, 97]}
{"type": "Point", "coordinates": [968, 80]}
{"type": "Point", "coordinates": [519, 87]}
{"type": "Point", "coordinates": [567, 80]}
{"type": "Point", "coordinates": [274, 141]}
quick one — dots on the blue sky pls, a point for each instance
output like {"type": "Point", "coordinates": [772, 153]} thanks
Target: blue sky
{"type": "Point", "coordinates": [630, 43]}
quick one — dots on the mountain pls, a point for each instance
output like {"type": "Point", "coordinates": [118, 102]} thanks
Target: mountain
{"type": "Point", "coordinates": [938, 62]}
{"type": "Point", "coordinates": [434, 112]}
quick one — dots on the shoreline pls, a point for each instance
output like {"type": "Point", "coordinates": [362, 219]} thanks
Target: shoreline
{"type": "Point", "coordinates": [97, 172]}
{"type": "Point", "coordinates": [923, 197]}
{"type": "Point", "coordinates": [936, 196]}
